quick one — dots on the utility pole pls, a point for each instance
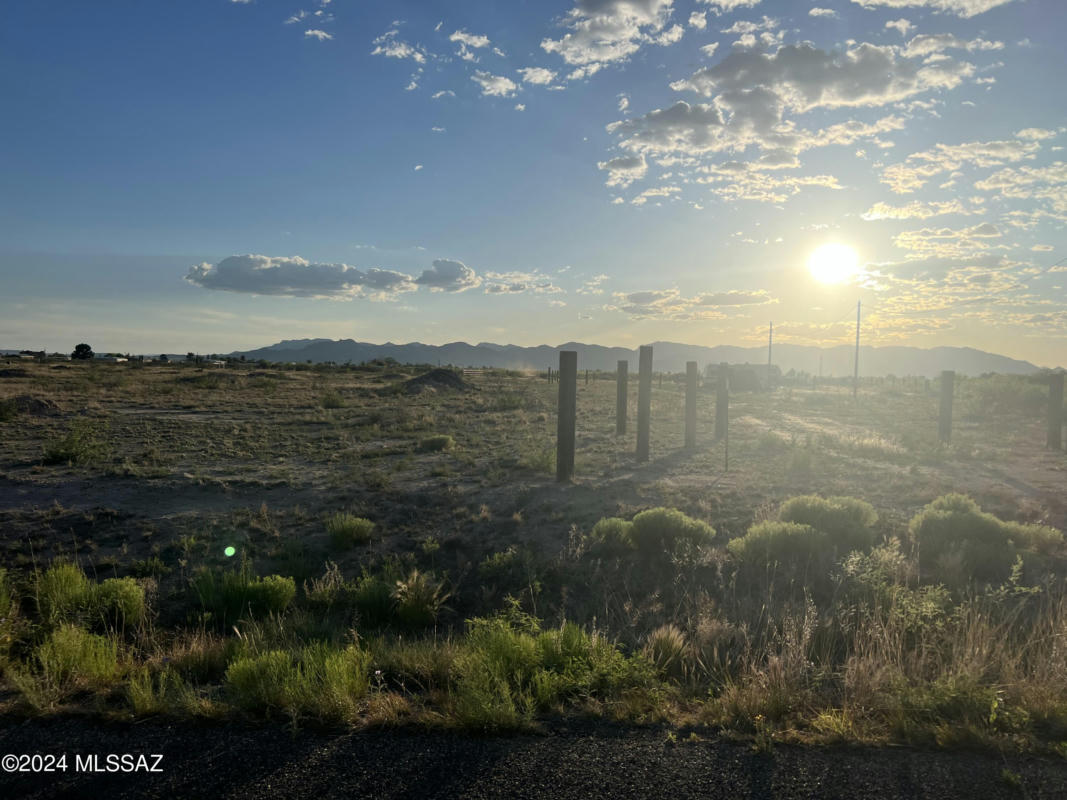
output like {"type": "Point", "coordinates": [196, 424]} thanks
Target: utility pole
{"type": "Point", "coordinates": [856, 372]}
{"type": "Point", "coordinates": [770, 342]}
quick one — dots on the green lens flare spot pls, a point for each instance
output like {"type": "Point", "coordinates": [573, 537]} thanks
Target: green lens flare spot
{"type": "Point", "coordinates": [230, 551]}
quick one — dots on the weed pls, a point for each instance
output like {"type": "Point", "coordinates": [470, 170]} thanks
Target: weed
{"type": "Point", "coordinates": [228, 595]}
{"type": "Point", "coordinates": [437, 443]}
{"type": "Point", "coordinates": [84, 443]}
{"type": "Point", "coordinates": [419, 598]}
{"type": "Point", "coordinates": [347, 530]}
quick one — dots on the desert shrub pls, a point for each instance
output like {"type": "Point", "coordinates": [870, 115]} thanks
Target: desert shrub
{"type": "Point", "coordinates": [332, 400]}
{"type": "Point", "coordinates": [69, 661]}
{"type": "Point", "coordinates": [953, 533]}
{"type": "Point", "coordinates": [418, 599]}
{"type": "Point", "coordinates": [64, 594]}
{"type": "Point", "coordinates": [8, 410]}
{"type": "Point", "coordinates": [436, 443]}
{"type": "Point", "coordinates": [229, 595]}
{"type": "Point", "coordinates": [666, 648]}
{"type": "Point", "coordinates": [718, 648]}
{"type": "Point", "coordinates": [319, 681]}
{"type": "Point", "coordinates": [667, 530]}
{"type": "Point", "coordinates": [330, 591]}
{"type": "Point", "coordinates": [119, 602]}
{"type": "Point", "coordinates": [784, 543]}
{"type": "Point", "coordinates": [846, 521]}
{"type": "Point", "coordinates": [347, 530]}
{"type": "Point", "coordinates": [373, 599]}
{"type": "Point", "coordinates": [84, 443]}
{"type": "Point", "coordinates": [1039, 538]}
{"type": "Point", "coordinates": [612, 535]}
{"type": "Point", "coordinates": [510, 668]}
{"type": "Point", "coordinates": [9, 617]}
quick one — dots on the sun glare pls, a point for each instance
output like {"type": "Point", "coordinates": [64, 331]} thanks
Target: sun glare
{"type": "Point", "coordinates": [833, 263]}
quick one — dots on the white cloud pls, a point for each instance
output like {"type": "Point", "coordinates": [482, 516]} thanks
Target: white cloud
{"type": "Point", "coordinates": [901, 26]}
{"type": "Point", "coordinates": [919, 167]}
{"type": "Point", "coordinates": [448, 276]}
{"type": "Point", "coordinates": [494, 85]}
{"type": "Point", "coordinates": [297, 277]}
{"type": "Point", "coordinates": [602, 32]}
{"type": "Point", "coordinates": [961, 8]}
{"type": "Point", "coordinates": [928, 44]}
{"type": "Point", "coordinates": [656, 191]}
{"type": "Point", "coordinates": [726, 6]}
{"type": "Point", "coordinates": [519, 282]}
{"type": "Point", "coordinates": [735, 298]}
{"type": "Point", "coordinates": [914, 210]}
{"type": "Point", "coordinates": [1035, 134]}
{"type": "Point", "coordinates": [442, 93]}
{"type": "Point", "coordinates": [391, 46]}
{"type": "Point", "coordinates": [467, 41]}
{"type": "Point", "coordinates": [317, 34]}
{"type": "Point", "coordinates": [698, 20]}
{"type": "Point", "coordinates": [297, 17]}
{"type": "Point", "coordinates": [709, 49]}
{"type": "Point", "coordinates": [538, 76]}
{"type": "Point", "coordinates": [822, 12]}
{"type": "Point", "coordinates": [418, 167]}
{"type": "Point", "coordinates": [747, 26]}
{"type": "Point", "coordinates": [948, 242]}
{"type": "Point", "coordinates": [437, 129]}
{"type": "Point", "coordinates": [520, 106]}
{"type": "Point", "coordinates": [624, 102]}
{"type": "Point", "coordinates": [624, 170]}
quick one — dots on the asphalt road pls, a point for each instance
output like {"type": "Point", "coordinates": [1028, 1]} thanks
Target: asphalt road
{"type": "Point", "coordinates": [583, 762]}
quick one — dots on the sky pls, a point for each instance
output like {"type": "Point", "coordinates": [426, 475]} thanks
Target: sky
{"type": "Point", "coordinates": [215, 175]}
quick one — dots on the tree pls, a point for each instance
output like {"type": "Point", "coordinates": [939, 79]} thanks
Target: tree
{"type": "Point", "coordinates": [163, 357]}
{"type": "Point", "coordinates": [82, 352]}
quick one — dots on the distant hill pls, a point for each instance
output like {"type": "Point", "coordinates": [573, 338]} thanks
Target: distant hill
{"type": "Point", "coordinates": [667, 356]}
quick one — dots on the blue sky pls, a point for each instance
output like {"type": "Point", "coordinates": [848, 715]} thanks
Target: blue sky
{"type": "Point", "coordinates": [214, 175]}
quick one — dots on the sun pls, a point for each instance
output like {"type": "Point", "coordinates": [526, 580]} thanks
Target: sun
{"type": "Point", "coordinates": [833, 263]}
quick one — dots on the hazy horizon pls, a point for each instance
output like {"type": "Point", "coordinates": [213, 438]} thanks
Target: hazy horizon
{"type": "Point", "coordinates": [228, 174]}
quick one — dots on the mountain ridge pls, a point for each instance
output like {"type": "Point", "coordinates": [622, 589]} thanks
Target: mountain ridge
{"type": "Point", "coordinates": [668, 356]}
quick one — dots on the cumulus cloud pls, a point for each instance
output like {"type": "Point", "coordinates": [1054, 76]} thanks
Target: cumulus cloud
{"type": "Point", "coordinates": [698, 20]}
{"type": "Point", "coordinates": [901, 26]}
{"type": "Point", "coordinates": [494, 85]}
{"type": "Point", "coordinates": [961, 8]}
{"type": "Point", "coordinates": [948, 242]}
{"type": "Point", "coordinates": [538, 76]}
{"type": "Point", "coordinates": [726, 6]}
{"type": "Point", "coordinates": [914, 210]}
{"type": "Point", "coordinates": [822, 12]}
{"type": "Point", "coordinates": [518, 283]}
{"type": "Point", "coordinates": [918, 168]}
{"type": "Point", "coordinates": [624, 170]}
{"type": "Point", "coordinates": [602, 32]}
{"type": "Point", "coordinates": [317, 34]}
{"type": "Point", "coordinates": [448, 276]}
{"type": "Point", "coordinates": [297, 277]}
{"type": "Point", "coordinates": [391, 46]}
{"type": "Point", "coordinates": [468, 42]}
{"type": "Point", "coordinates": [927, 44]}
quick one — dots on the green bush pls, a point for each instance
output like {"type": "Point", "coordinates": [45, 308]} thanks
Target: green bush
{"type": "Point", "coordinates": [321, 682]}
{"type": "Point", "coordinates": [347, 530]}
{"type": "Point", "coordinates": [230, 595]}
{"type": "Point", "coordinates": [784, 543]}
{"type": "Point", "coordinates": [64, 594]}
{"type": "Point", "coordinates": [612, 535]}
{"type": "Point", "coordinates": [119, 602]}
{"type": "Point", "coordinates": [509, 668]}
{"type": "Point", "coordinates": [69, 661]}
{"type": "Point", "coordinates": [846, 521]}
{"type": "Point", "coordinates": [373, 599]}
{"type": "Point", "coordinates": [84, 443]}
{"type": "Point", "coordinates": [667, 530]}
{"type": "Point", "coordinates": [419, 598]}
{"type": "Point", "coordinates": [1039, 538]}
{"type": "Point", "coordinates": [952, 530]}
{"type": "Point", "coordinates": [332, 400]}
{"type": "Point", "coordinates": [436, 443]}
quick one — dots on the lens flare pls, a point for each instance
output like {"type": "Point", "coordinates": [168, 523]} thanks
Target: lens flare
{"type": "Point", "coordinates": [230, 551]}
{"type": "Point", "coordinates": [833, 263]}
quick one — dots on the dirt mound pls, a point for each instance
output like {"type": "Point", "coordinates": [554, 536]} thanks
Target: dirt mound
{"type": "Point", "coordinates": [15, 372]}
{"type": "Point", "coordinates": [436, 380]}
{"type": "Point", "coordinates": [27, 404]}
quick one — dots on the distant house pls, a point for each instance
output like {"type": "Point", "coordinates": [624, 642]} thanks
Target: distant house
{"type": "Point", "coordinates": [216, 363]}
{"type": "Point", "coordinates": [110, 359]}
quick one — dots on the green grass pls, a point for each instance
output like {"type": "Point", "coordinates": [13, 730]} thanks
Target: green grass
{"type": "Point", "coordinates": [231, 595]}
{"type": "Point", "coordinates": [347, 530]}
{"type": "Point", "coordinates": [436, 443]}
{"type": "Point", "coordinates": [84, 443]}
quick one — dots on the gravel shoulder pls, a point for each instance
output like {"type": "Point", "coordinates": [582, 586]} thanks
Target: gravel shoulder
{"type": "Point", "coordinates": [576, 762]}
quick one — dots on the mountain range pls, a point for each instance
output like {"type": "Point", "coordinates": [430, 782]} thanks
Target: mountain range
{"type": "Point", "coordinates": [667, 356]}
